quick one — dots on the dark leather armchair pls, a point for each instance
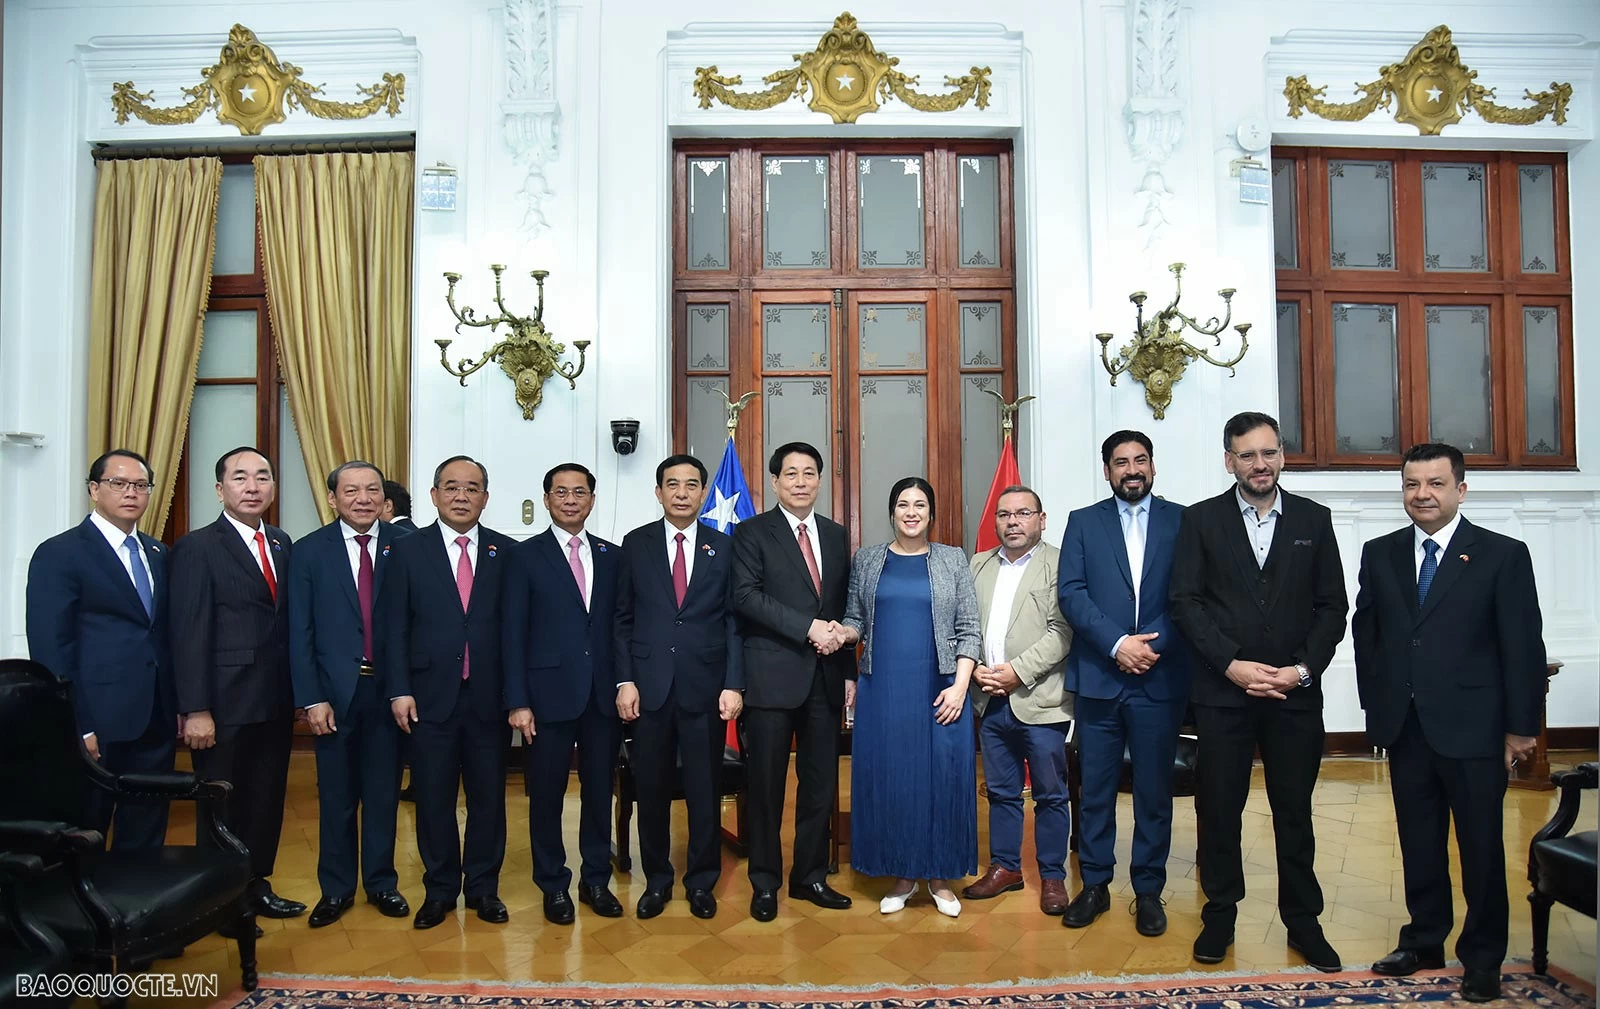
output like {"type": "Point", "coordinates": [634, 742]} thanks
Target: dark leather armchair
{"type": "Point", "coordinates": [733, 782]}
{"type": "Point", "coordinates": [116, 911]}
{"type": "Point", "coordinates": [1561, 866]}
{"type": "Point", "coordinates": [29, 949]}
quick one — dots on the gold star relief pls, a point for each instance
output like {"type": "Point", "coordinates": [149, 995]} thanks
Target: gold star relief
{"type": "Point", "coordinates": [846, 82]}
{"type": "Point", "coordinates": [1433, 94]}
{"type": "Point", "coordinates": [247, 93]}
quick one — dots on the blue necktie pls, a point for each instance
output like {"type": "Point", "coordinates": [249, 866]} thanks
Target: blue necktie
{"type": "Point", "coordinates": [141, 578]}
{"type": "Point", "coordinates": [1430, 567]}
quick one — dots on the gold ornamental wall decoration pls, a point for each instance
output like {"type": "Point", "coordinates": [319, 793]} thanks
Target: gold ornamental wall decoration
{"type": "Point", "coordinates": [249, 88]}
{"type": "Point", "coordinates": [847, 78]}
{"type": "Point", "coordinates": [1431, 89]}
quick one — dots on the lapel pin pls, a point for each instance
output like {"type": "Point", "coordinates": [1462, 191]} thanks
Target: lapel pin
{"type": "Point", "coordinates": [707, 548]}
{"type": "Point", "coordinates": [1465, 558]}
{"type": "Point", "coordinates": [386, 551]}
{"type": "Point", "coordinates": [276, 545]}
{"type": "Point", "coordinates": [491, 550]}
{"type": "Point", "coordinates": [600, 546]}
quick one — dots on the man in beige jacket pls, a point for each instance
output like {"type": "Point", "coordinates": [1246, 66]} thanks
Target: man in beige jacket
{"type": "Point", "coordinates": [1019, 695]}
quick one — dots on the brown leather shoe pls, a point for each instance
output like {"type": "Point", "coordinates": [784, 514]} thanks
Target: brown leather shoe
{"type": "Point", "coordinates": [996, 881]}
{"type": "Point", "coordinates": [1053, 898]}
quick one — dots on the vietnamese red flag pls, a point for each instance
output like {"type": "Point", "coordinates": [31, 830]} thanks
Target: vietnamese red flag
{"type": "Point", "coordinates": [1005, 475]}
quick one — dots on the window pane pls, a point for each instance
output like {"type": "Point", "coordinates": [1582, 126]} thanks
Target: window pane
{"type": "Point", "coordinates": [1361, 214]}
{"type": "Point", "coordinates": [1366, 377]}
{"type": "Point", "coordinates": [794, 213]}
{"type": "Point", "coordinates": [1289, 376]}
{"type": "Point", "coordinates": [893, 337]}
{"type": "Point", "coordinates": [1537, 199]}
{"type": "Point", "coordinates": [228, 345]}
{"type": "Point", "coordinates": [980, 451]}
{"type": "Point", "coordinates": [708, 337]}
{"type": "Point", "coordinates": [1285, 219]}
{"type": "Point", "coordinates": [708, 213]}
{"type": "Point", "coordinates": [800, 409]}
{"type": "Point", "coordinates": [979, 199]}
{"type": "Point", "coordinates": [889, 198]}
{"type": "Point", "coordinates": [1541, 363]}
{"type": "Point", "coordinates": [297, 508]}
{"type": "Point", "coordinates": [980, 334]}
{"type": "Point", "coordinates": [1460, 383]}
{"type": "Point", "coordinates": [236, 222]}
{"type": "Point", "coordinates": [1455, 224]}
{"type": "Point", "coordinates": [708, 420]}
{"type": "Point", "coordinates": [222, 417]}
{"type": "Point", "coordinates": [894, 444]}
{"type": "Point", "coordinates": [795, 337]}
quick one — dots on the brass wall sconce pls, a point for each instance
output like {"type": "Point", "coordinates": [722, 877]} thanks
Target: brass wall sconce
{"type": "Point", "coordinates": [527, 354]}
{"type": "Point", "coordinates": [1159, 353]}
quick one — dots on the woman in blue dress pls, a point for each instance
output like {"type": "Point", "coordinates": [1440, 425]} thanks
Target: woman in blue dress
{"type": "Point", "coordinates": [913, 775]}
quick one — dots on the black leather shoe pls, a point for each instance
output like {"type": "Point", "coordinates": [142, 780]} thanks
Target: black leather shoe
{"type": "Point", "coordinates": [1403, 962]}
{"type": "Point", "coordinates": [600, 900]}
{"type": "Point", "coordinates": [270, 905]}
{"type": "Point", "coordinates": [1148, 914]}
{"type": "Point", "coordinates": [389, 903]}
{"type": "Point", "coordinates": [491, 910]}
{"type": "Point", "coordinates": [820, 894]}
{"type": "Point", "coordinates": [1211, 945]}
{"type": "Point", "coordinates": [432, 912]}
{"type": "Point", "coordinates": [1090, 903]}
{"type": "Point", "coordinates": [558, 909]}
{"type": "Point", "coordinates": [764, 905]}
{"type": "Point", "coordinates": [702, 904]}
{"type": "Point", "coordinates": [653, 902]}
{"type": "Point", "coordinates": [1480, 985]}
{"type": "Point", "coordinates": [1314, 947]}
{"type": "Point", "coordinates": [329, 909]}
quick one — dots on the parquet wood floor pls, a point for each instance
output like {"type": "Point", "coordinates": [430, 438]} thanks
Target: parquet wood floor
{"type": "Point", "coordinates": [1357, 862]}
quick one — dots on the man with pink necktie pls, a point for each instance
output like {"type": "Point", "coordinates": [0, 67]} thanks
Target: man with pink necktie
{"type": "Point", "coordinates": [439, 655]}
{"type": "Point", "coordinates": [561, 596]}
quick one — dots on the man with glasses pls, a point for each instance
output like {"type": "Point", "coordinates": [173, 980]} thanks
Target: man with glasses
{"type": "Point", "coordinates": [1019, 697]}
{"type": "Point", "coordinates": [230, 646]}
{"type": "Point", "coordinates": [1263, 607]}
{"type": "Point", "coordinates": [97, 602]}
{"type": "Point", "coordinates": [561, 596]}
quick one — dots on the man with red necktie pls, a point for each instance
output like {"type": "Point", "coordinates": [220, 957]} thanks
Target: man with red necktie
{"type": "Point", "coordinates": [230, 657]}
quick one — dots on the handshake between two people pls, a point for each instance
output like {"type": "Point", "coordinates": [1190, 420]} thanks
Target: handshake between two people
{"type": "Point", "coordinates": [828, 636]}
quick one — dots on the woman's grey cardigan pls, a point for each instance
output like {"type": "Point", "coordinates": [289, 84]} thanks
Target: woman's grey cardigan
{"type": "Point", "coordinates": [955, 603]}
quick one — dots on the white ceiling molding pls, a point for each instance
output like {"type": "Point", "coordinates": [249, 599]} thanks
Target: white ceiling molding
{"type": "Point", "coordinates": [532, 116]}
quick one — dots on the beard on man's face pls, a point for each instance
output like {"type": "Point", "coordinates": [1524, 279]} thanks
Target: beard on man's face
{"type": "Point", "coordinates": [1132, 489]}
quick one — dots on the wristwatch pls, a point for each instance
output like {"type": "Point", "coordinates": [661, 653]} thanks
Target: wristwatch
{"type": "Point", "coordinates": [1305, 674]}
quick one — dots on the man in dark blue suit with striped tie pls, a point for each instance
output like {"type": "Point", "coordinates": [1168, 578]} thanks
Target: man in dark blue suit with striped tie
{"type": "Point", "coordinates": [97, 619]}
{"type": "Point", "coordinates": [335, 584]}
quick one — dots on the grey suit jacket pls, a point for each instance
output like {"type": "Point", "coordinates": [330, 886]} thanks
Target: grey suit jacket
{"type": "Point", "coordinates": [956, 631]}
{"type": "Point", "coordinates": [1037, 636]}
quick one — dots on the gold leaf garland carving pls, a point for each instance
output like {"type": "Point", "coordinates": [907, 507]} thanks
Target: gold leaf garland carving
{"type": "Point", "coordinates": [846, 78]}
{"type": "Point", "coordinates": [249, 88]}
{"type": "Point", "coordinates": [1430, 89]}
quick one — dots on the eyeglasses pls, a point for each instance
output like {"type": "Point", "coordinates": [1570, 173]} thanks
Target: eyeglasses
{"type": "Point", "coordinates": [450, 490]}
{"type": "Point", "coordinates": [1266, 454]}
{"type": "Point", "coordinates": [119, 485]}
{"type": "Point", "coordinates": [1021, 515]}
{"type": "Point", "coordinates": [573, 493]}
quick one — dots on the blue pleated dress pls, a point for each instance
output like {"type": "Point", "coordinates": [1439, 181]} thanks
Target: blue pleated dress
{"type": "Point", "coordinates": [913, 798]}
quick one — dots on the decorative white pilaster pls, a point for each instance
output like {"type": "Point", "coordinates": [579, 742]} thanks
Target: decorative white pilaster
{"type": "Point", "coordinates": [532, 116]}
{"type": "Point", "coordinates": [1156, 104]}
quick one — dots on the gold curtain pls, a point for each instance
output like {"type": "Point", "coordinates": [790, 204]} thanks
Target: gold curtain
{"type": "Point", "coordinates": [336, 244]}
{"type": "Point", "coordinates": [155, 222]}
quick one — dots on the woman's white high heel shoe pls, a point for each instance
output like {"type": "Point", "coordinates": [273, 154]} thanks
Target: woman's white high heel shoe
{"type": "Point", "coordinates": [896, 902]}
{"type": "Point", "coordinates": [950, 907]}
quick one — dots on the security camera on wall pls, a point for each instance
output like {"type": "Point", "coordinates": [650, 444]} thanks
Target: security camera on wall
{"type": "Point", "coordinates": [624, 436]}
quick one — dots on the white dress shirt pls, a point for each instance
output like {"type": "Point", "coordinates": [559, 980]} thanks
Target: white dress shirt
{"type": "Point", "coordinates": [249, 536]}
{"type": "Point", "coordinates": [352, 548]}
{"type": "Point", "coordinates": [1260, 530]}
{"type": "Point", "coordinates": [1442, 537]}
{"type": "Point", "coordinates": [585, 555]}
{"type": "Point", "coordinates": [1006, 579]}
{"type": "Point", "coordinates": [688, 546]}
{"type": "Point", "coordinates": [1127, 513]}
{"type": "Point", "coordinates": [116, 537]}
{"type": "Point", "coordinates": [810, 522]}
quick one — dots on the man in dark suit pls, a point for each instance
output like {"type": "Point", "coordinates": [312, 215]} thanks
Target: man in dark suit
{"type": "Point", "coordinates": [1450, 664]}
{"type": "Point", "coordinates": [97, 618]}
{"type": "Point", "coordinates": [397, 506]}
{"type": "Point", "coordinates": [230, 646]}
{"type": "Point", "coordinates": [679, 675]}
{"type": "Point", "coordinates": [791, 577]}
{"type": "Point", "coordinates": [561, 596]}
{"type": "Point", "coordinates": [334, 591]}
{"type": "Point", "coordinates": [439, 659]}
{"type": "Point", "coordinates": [1130, 673]}
{"type": "Point", "coordinates": [1258, 590]}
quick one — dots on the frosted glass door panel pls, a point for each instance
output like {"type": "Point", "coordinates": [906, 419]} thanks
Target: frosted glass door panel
{"type": "Point", "coordinates": [978, 201]}
{"type": "Point", "coordinates": [1289, 376]}
{"type": "Point", "coordinates": [795, 337]}
{"type": "Point", "coordinates": [1365, 377]}
{"type": "Point", "coordinates": [1455, 232]}
{"type": "Point", "coordinates": [894, 444]}
{"type": "Point", "coordinates": [794, 213]}
{"type": "Point", "coordinates": [1460, 385]}
{"type": "Point", "coordinates": [236, 222]}
{"type": "Point", "coordinates": [1541, 357]}
{"type": "Point", "coordinates": [228, 345]}
{"type": "Point", "coordinates": [1285, 223]}
{"type": "Point", "coordinates": [708, 213]}
{"type": "Point", "coordinates": [1536, 198]}
{"type": "Point", "coordinates": [980, 334]}
{"type": "Point", "coordinates": [800, 409]}
{"type": "Point", "coordinates": [889, 202]}
{"type": "Point", "coordinates": [893, 337]}
{"type": "Point", "coordinates": [1361, 215]}
{"type": "Point", "coordinates": [708, 337]}
{"type": "Point", "coordinates": [222, 417]}
{"type": "Point", "coordinates": [708, 420]}
{"type": "Point", "coordinates": [980, 450]}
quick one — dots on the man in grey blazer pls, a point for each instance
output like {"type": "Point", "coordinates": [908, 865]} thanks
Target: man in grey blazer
{"type": "Point", "coordinates": [1023, 707]}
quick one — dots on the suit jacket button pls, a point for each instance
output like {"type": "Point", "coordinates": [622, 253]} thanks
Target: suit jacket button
{"type": "Point", "coordinates": [458, 658]}
{"type": "Point", "coordinates": [1130, 596]}
{"type": "Point", "coordinates": [673, 649]}
{"type": "Point", "coordinates": [1416, 642]}
{"type": "Point", "coordinates": [678, 622]}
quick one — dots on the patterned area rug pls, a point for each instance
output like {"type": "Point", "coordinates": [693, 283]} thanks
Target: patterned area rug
{"type": "Point", "coordinates": [1275, 991]}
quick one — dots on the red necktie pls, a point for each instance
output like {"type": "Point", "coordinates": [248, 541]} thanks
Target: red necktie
{"type": "Point", "coordinates": [680, 573]}
{"type": "Point", "coordinates": [266, 565]}
{"type": "Point", "coordinates": [364, 592]}
{"type": "Point", "coordinates": [811, 558]}
{"type": "Point", "coordinates": [464, 589]}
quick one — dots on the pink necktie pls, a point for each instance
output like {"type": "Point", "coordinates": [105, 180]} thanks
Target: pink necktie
{"type": "Point", "coordinates": [680, 573]}
{"type": "Point", "coordinates": [575, 562]}
{"type": "Point", "coordinates": [811, 558]}
{"type": "Point", "coordinates": [464, 587]}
